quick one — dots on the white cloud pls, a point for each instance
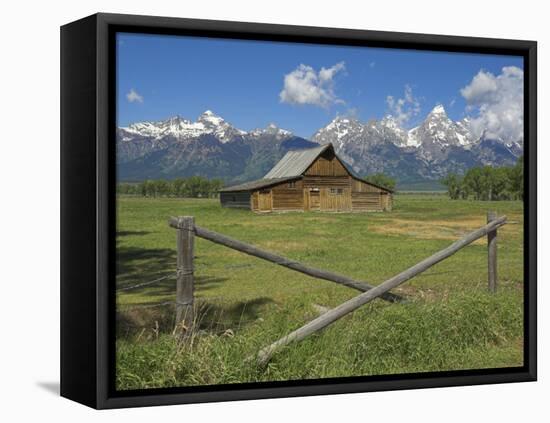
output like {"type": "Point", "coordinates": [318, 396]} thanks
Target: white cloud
{"type": "Point", "coordinates": [404, 108]}
{"type": "Point", "coordinates": [133, 96]}
{"type": "Point", "coordinates": [496, 103]}
{"type": "Point", "coordinates": [306, 86]}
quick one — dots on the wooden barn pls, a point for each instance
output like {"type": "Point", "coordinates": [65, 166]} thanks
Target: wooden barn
{"type": "Point", "coordinates": [315, 179]}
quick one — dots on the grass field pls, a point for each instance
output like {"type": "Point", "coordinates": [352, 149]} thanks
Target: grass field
{"type": "Point", "coordinates": [450, 321]}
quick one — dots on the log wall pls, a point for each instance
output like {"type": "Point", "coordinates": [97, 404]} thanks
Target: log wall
{"type": "Point", "coordinates": [331, 201]}
{"type": "Point", "coordinates": [254, 201]}
{"type": "Point", "coordinates": [360, 186]}
{"type": "Point", "coordinates": [327, 181]}
{"type": "Point", "coordinates": [387, 201]}
{"type": "Point", "coordinates": [287, 196]}
{"type": "Point", "coordinates": [366, 201]}
{"type": "Point", "coordinates": [265, 200]}
{"type": "Point", "coordinates": [239, 200]}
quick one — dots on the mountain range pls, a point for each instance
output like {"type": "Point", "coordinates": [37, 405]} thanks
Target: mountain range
{"type": "Point", "coordinates": [212, 147]}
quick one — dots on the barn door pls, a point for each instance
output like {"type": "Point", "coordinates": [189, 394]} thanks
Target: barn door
{"type": "Point", "coordinates": [264, 200]}
{"type": "Point", "coordinates": [314, 202]}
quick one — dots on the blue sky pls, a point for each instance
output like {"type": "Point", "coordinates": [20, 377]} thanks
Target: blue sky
{"type": "Point", "coordinates": [299, 87]}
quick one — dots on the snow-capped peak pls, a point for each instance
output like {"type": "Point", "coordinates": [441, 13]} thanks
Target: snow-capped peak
{"type": "Point", "coordinates": [436, 132]}
{"type": "Point", "coordinates": [439, 132]}
{"type": "Point", "coordinates": [342, 123]}
{"type": "Point", "coordinates": [271, 129]}
{"type": "Point", "coordinates": [210, 118]}
{"type": "Point", "coordinates": [275, 129]}
{"type": "Point", "coordinates": [182, 129]}
{"type": "Point", "coordinates": [339, 131]}
{"type": "Point", "coordinates": [216, 125]}
{"type": "Point", "coordinates": [438, 110]}
{"type": "Point", "coordinates": [389, 122]}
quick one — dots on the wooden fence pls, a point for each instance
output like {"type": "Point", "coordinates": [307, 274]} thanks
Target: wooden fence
{"type": "Point", "coordinates": [187, 230]}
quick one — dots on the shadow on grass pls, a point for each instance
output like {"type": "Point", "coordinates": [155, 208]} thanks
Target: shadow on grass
{"type": "Point", "coordinates": [149, 322]}
{"type": "Point", "coordinates": [137, 265]}
{"type": "Point", "coordinates": [154, 311]}
{"type": "Point", "coordinates": [131, 233]}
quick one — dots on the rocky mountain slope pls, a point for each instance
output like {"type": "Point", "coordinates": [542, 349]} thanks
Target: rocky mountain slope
{"type": "Point", "coordinates": [212, 147]}
{"type": "Point", "coordinates": [427, 152]}
{"type": "Point", "coordinates": [209, 147]}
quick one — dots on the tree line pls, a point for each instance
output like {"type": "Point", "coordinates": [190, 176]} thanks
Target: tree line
{"type": "Point", "coordinates": [382, 180]}
{"type": "Point", "coordinates": [487, 183]}
{"type": "Point", "coordinates": [192, 187]}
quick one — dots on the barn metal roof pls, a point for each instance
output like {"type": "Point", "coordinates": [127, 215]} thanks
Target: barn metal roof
{"type": "Point", "coordinates": [295, 162]}
{"type": "Point", "coordinates": [257, 184]}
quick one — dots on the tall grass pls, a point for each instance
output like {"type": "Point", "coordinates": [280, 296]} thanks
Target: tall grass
{"type": "Point", "coordinates": [244, 304]}
{"type": "Point", "coordinates": [466, 331]}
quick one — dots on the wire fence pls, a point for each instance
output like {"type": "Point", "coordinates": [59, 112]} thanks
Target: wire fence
{"type": "Point", "coordinates": [173, 275]}
{"type": "Point", "coordinates": [142, 284]}
{"type": "Point", "coordinates": [129, 307]}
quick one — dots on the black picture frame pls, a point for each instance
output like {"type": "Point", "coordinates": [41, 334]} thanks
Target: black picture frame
{"type": "Point", "coordinates": [87, 209]}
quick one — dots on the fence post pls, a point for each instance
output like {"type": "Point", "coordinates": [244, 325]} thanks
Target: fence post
{"type": "Point", "coordinates": [492, 254]}
{"type": "Point", "coordinates": [185, 278]}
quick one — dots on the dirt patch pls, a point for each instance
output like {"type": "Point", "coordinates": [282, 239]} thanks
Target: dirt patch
{"type": "Point", "coordinates": [283, 245]}
{"type": "Point", "coordinates": [415, 293]}
{"type": "Point", "coordinates": [435, 229]}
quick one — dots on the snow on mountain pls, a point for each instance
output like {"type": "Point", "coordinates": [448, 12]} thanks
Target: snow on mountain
{"type": "Point", "coordinates": [390, 130]}
{"type": "Point", "coordinates": [220, 128]}
{"type": "Point", "coordinates": [340, 131]}
{"type": "Point", "coordinates": [181, 129]}
{"type": "Point", "coordinates": [412, 139]}
{"type": "Point", "coordinates": [437, 129]}
{"type": "Point", "coordinates": [212, 147]}
{"type": "Point", "coordinates": [438, 110]}
{"type": "Point", "coordinates": [270, 131]}
{"type": "Point", "coordinates": [430, 150]}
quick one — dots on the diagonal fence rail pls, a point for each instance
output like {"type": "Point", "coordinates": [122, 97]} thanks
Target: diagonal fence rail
{"type": "Point", "coordinates": [351, 305]}
{"type": "Point", "coordinates": [282, 261]}
{"type": "Point", "coordinates": [187, 230]}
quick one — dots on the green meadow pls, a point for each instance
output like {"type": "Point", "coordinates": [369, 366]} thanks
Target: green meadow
{"type": "Point", "coordinates": [450, 321]}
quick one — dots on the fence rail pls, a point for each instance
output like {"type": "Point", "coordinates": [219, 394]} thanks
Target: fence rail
{"type": "Point", "coordinates": [280, 260]}
{"type": "Point", "coordinates": [187, 230]}
{"type": "Point", "coordinates": [345, 308]}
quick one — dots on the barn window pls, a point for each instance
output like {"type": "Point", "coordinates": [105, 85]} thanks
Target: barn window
{"type": "Point", "coordinates": [336, 191]}
{"type": "Point", "coordinates": [292, 184]}
{"type": "Point", "coordinates": [233, 198]}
